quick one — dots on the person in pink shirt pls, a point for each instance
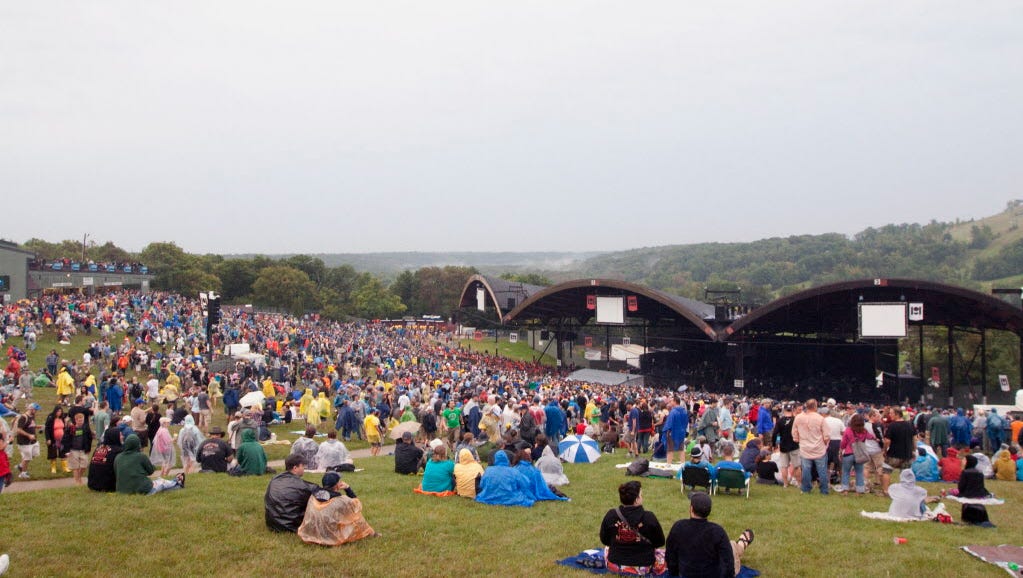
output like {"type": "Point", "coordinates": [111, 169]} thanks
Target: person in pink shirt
{"type": "Point", "coordinates": [809, 431]}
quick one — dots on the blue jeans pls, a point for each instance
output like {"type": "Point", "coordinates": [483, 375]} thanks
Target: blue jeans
{"type": "Point", "coordinates": [849, 463]}
{"type": "Point", "coordinates": [821, 464]}
{"type": "Point", "coordinates": [643, 442]}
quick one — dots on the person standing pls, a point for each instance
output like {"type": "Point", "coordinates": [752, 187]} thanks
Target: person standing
{"type": "Point", "coordinates": [899, 442]}
{"type": "Point", "coordinates": [54, 428]}
{"type": "Point", "coordinates": [810, 432]}
{"type": "Point", "coordinates": [676, 426]}
{"type": "Point", "coordinates": [25, 431]}
{"type": "Point", "coordinates": [372, 425]}
{"type": "Point", "coordinates": [938, 432]}
{"type": "Point", "coordinates": [836, 428]}
{"type": "Point", "coordinates": [765, 423]}
{"type": "Point", "coordinates": [789, 462]}
{"type": "Point", "coordinates": [77, 444]}
{"type": "Point", "coordinates": [453, 422]}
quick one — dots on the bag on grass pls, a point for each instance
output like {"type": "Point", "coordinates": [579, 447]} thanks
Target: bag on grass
{"type": "Point", "coordinates": [638, 467]}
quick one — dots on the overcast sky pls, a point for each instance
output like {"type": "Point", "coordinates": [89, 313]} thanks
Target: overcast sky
{"type": "Point", "coordinates": [334, 126]}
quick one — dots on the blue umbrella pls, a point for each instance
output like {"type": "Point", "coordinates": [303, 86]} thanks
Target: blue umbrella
{"type": "Point", "coordinates": [579, 449]}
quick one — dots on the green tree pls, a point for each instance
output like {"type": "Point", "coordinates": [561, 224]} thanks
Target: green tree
{"type": "Point", "coordinates": [285, 288]}
{"type": "Point", "coordinates": [311, 266]}
{"type": "Point", "coordinates": [237, 277]}
{"type": "Point", "coordinates": [371, 300]}
{"type": "Point", "coordinates": [167, 262]}
{"type": "Point", "coordinates": [981, 237]}
{"type": "Point", "coordinates": [406, 287]}
{"type": "Point", "coordinates": [527, 278]}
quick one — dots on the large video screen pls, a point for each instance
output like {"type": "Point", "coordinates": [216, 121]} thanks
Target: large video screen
{"type": "Point", "coordinates": [882, 320]}
{"type": "Point", "coordinates": [611, 310]}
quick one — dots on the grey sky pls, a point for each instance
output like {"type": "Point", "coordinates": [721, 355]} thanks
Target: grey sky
{"type": "Point", "coordinates": [570, 125]}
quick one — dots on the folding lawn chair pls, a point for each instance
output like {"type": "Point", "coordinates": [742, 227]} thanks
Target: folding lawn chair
{"type": "Point", "coordinates": [732, 480]}
{"type": "Point", "coordinates": [696, 478]}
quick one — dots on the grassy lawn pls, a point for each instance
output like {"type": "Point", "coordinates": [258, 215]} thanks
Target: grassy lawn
{"type": "Point", "coordinates": [520, 351]}
{"type": "Point", "coordinates": [215, 527]}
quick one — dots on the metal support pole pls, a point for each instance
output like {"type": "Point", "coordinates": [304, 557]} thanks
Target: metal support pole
{"type": "Point", "coordinates": [983, 366]}
{"type": "Point", "coordinates": [607, 345]}
{"type": "Point", "coordinates": [951, 370]}
{"type": "Point", "coordinates": [920, 332]}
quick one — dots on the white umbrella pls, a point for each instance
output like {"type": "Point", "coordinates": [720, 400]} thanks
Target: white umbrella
{"type": "Point", "coordinates": [253, 398]}
{"type": "Point", "coordinates": [411, 427]}
{"type": "Point", "coordinates": [579, 449]}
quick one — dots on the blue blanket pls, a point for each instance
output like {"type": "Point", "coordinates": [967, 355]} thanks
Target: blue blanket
{"type": "Point", "coordinates": [593, 561]}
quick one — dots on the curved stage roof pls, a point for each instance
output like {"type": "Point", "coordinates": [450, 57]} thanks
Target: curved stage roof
{"type": "Point", "coordinates": [568, 301]}
{"type": "Point", "coordinates": [832, 309]}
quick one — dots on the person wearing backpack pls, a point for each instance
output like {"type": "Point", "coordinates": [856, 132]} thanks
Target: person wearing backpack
{"type": "Point", "coordinates": [633, 536]}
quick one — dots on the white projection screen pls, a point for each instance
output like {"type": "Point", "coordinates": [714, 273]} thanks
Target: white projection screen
{"type": "Point", "coordinates": [611, 310]}
{"type": "Point", "coordinates": [882, 320]}
{"type": "Point", "coordinates": [481, 299]}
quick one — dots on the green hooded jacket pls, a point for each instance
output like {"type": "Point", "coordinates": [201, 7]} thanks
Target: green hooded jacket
{"type": "Point", "coordinates": [133, 468]}
{"type": "Point", "coordinates": [251, 457]}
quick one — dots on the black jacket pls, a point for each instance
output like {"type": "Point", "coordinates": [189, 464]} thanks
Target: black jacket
{"type": "Point", "coordinates": [286, 498]}
{"type": "Point", "coordinates": [406, 458]}
{"type": "Point", "coordinates": [102, 477]}
{"type": "Point", "coordinates": [634, 553]}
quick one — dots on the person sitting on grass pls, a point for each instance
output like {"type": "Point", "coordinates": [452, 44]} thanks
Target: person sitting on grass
{"type": "Point", "coordinates": [333, 515]}
{"type": "Point", "coordinates": [971, 481]}
{"type": "Point", "coordinates": [333, 456]}
{"type": "Point", "coordinates": [539, 490]}
{"type": "Point", "coordinates": [698, 548]}
{"type": "Point", "coordinates": [907, 497]}
{"type": "Point", "coordinates": [925, 467]}
{"type": "Point", "coordinates": [406, 455]}
{"type": "Point", "coordinates": [633, 536]}
{"type": "Point", "coordinates": [768, 471]}
{"type": "Point", "coordinates": [1004, 465]}
{"type": "Point", "coordinates": [503, 485]}
{"type": "Point", "coordinates": [251, 457]}
{"type": "Point", "coordinates": [951, 465]}
{"type": "Point", "coordinates": [287, 496]}
{"type": "Point", "coordinates": [439, 476]}
{"type": "Point", "coordinates": [101, 476]}
{"type": "Point", "coordinates": [468, 473]}
{"type": "Point", "coordinates": [132, 469]}
{"type": "Point", "coordinates": [307, 447]}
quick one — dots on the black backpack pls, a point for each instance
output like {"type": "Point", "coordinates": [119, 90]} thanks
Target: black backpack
{"type": "Point", "coordinates": [638, 467]}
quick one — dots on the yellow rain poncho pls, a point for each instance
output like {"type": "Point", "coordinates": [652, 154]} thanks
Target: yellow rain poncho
{"type": "Point", "coordinates": [303, 403]}
{"type": "Point", "coordinates": [65, 383]}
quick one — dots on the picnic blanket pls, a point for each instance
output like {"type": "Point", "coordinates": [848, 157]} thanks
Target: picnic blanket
{"type": "Point", "coordinates": [658, 465]}
{"type": "Point", "coordinates": [1000, 556]}
{"type": "Point", "coordinates": [929, 516]}
{"type": "Point", "coordinates": [593, 561]}
{"type": "Point", "coordinates": [981, 501]}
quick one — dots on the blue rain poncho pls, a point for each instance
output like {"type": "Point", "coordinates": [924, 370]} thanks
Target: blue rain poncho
{"type": "Point", "coordinates": [503, 485]}
{"type": "Point", "coordinates": [537, 485]}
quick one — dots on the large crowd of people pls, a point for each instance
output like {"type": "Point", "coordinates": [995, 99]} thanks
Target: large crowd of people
{"type": "Point", "coordinates": [488, 427]}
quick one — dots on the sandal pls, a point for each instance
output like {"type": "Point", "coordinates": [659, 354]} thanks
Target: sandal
{"type": "Point", "coordinates": [746, 536]}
